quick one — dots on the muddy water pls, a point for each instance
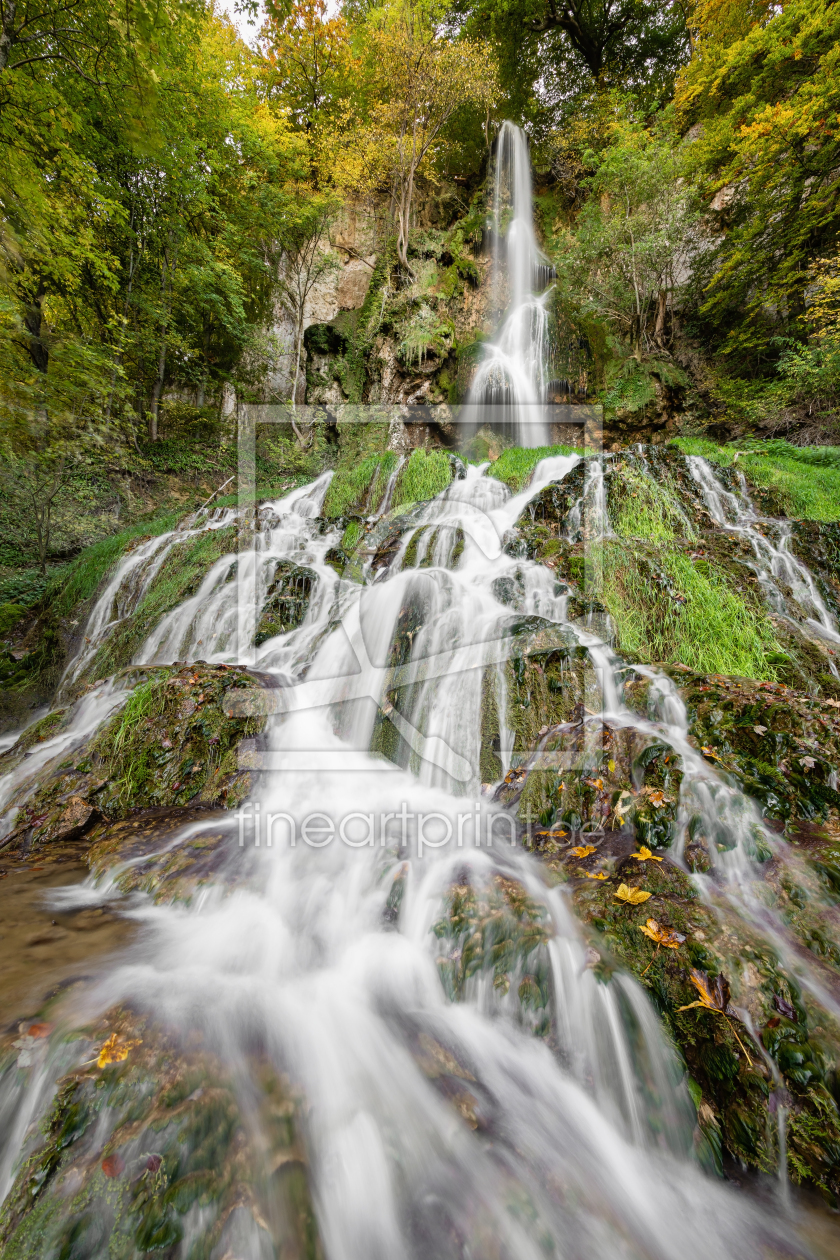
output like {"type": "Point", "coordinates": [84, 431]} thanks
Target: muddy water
{"type": "Point", "coordinates": [44, 949]}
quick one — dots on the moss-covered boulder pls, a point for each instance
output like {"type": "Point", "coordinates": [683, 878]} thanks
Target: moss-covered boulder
{"type": "Point", "coordinates": [148, 1137]}
{"type": "Point", "coordinates": [287, 600]}
{"type": "Point", "coordinates": [171, 743]}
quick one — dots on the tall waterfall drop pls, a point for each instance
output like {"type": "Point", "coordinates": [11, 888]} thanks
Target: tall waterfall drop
{"type": "Point", "coordinates": [511, 383]}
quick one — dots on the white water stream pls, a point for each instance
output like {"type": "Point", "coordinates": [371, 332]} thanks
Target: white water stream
{"type": "Point", "coordinates": [569, 1137]}
{"type": "Point", "coordinates": [580, 1144]}
{"type": "Point", "coordinates": [513, 375]}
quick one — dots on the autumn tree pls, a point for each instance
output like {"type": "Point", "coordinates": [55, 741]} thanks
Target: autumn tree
{"type": "Point", "coordinates": [310, 60]}
{"type": "Point", "coordinates": [421, 80]}
{"type": "Point", "coordinates": [762, 94]}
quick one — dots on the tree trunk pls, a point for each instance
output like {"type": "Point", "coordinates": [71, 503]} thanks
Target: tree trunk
{"type": "Point", "coordinates": [33, 322]}
{"type": "Point", "coordinates": [661, 311]}
{"type": "Point", "coordinates": [298, 347]}
{"type": "Point", "coordinates": [157, 390]}
{"type": "Point", "coordinates": [7, 34]}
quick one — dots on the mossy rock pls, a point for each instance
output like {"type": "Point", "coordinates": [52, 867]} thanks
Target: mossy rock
{"type": "Point", "coordinates": [172, 743]}
{"type": "Point", "coordinates": [287, 601]}
{"type": "Point", "coordinates": [178, 1149]}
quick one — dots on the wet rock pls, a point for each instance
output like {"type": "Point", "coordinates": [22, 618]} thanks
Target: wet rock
{"type": "Point", "coordinates": [172, 744]}
{"type": "Point", "coordinates": [286, 602]}
{"type": "Point", "coordinates": [149, 1141]}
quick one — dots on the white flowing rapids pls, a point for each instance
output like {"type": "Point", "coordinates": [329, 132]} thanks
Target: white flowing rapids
{"type": "Point", "coordinates": [570, 1133]}
{"type": "Point", "coordinates": [513, 376]}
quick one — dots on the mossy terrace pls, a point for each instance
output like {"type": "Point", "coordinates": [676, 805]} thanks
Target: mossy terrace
{"type": "Point", "coordinates": [762, 703]}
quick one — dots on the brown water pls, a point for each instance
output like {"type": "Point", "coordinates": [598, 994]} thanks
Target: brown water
{"type": "Point", "coordinates": [44, 950]}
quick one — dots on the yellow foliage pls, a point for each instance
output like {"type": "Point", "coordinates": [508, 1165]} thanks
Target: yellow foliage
{"type": "Point", "coordinates": [114, 1051]}
{"type": "Point", "coordinates": [633, 896]}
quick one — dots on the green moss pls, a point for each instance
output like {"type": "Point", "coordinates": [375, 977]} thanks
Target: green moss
{"type": "Point", "coordinates": [423, 476]}
{"type": "Point", "coordinates": [10, 615]}
{"type": "Point", "coordinates": [515, 465]}
{"type": "Point", "coordinates": [176, 1139]}
{"type": "Point", "coordinates": [673, 610]}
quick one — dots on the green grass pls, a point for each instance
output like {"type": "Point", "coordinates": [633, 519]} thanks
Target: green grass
{"type": "Point", "coordinates": [360, 485]}
{"type": "Point", "coordinates": [644, 508]}
{"type": "Point", "coordinates": [515, 465]}
{"type": "Point", "coordinates": [713, 631]}
{"type": "Point", "coordinates": [351, 535]}
{"type": "Point", "coordinates": [424, 475]}
{"type": "Point", "coordinates": [127, 748]}
{"type": "Point", "coordinates": [178, 578]}
{"type": "Point", "coordinates": [804, 480]}
{"type": "Point", "coordinates": [80, 579]}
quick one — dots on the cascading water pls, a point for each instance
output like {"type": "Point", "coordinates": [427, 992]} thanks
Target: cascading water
{"type": "Point", "coordinates": [779, 572]}
{"type": "Point", "coordinates": [509, 390]}
{"type": "Point", "coordinates": [449, 1108]}
{"type": "Point", "coordinates": [578, 1145]}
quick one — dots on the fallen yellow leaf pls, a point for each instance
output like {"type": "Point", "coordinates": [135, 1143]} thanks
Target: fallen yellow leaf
{"type": "Point", "coordinates": [645, 855]}
{"type": "Point", "coordinates": [662, 935]}
{"type": "Point", "coordinates": [583, 850]}
{"type": "Point", "coordinates": [112, 1052]}
{"type": "Point", "coordinates": [634, 896]}
{"type": "Point", "coordinates": [595, 875]}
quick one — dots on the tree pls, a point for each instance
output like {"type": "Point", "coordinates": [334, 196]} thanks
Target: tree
{"type": "Point", "coordinates": [762, 93]}
{"type": "Point", "coordinates": [422, 79]}
{"type": "Point", "coordinates": [559, 49]}
{"type": "Point", "coordinates": [310, 58]}
{"type": "Point", "coordinates": [623, 264]}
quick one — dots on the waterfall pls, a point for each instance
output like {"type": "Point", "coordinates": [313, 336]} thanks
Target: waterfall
{"type": "Point", "coordinates": [510, 386]}
{"type": "Point", "coordinates": [432, 1127]}
{"type": "Point", "coordinates": [773, 563]}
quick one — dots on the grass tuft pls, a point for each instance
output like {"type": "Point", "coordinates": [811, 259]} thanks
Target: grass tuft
{"type": "Point", "coordinates": [359, 487]}
{"type": "Point", "coordinates": [424, 475]}
{"type": "Point", "coordinates": [682, 612]}
{"type": "Point", "coordinates": [644, 508]}
{"type": "Point", "coordinates": [515, 465]}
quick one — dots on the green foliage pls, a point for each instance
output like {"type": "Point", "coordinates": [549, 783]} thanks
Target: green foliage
{"type": "Point", "coordinates": [515, 465]}
{"type": "Point", "coordinates": [623, 263]}
{"type": "Point", "coordinates": [762, 83]}
{"type": "Point", "coordinates": [426, 335]}
{"type": "Point", "coordinates": [671, 609]}
{"type": "Point", "coordinates": [424, 475]}
{"type": "Point", "coordinates": [24, 588]}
